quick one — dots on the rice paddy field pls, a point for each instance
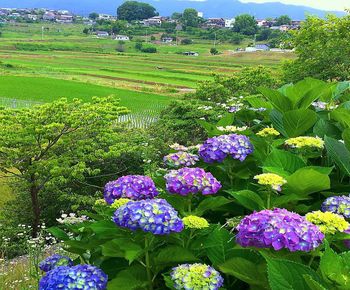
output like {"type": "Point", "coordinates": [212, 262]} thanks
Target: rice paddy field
{"type": "Point", "coordinates": [63, 62]}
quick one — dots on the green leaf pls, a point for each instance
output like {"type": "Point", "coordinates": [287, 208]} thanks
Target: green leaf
{"type": "Point", "coordinates": [226, 120]}
{"type": "Point", "coordinates": [346, 138]}
{"type": "Point", "coordinates": [211, 203]}
{"type": "Point", "coordinates": [325, 128]}
{"type": "Point", "coordinates": [335, 268]}
{"type": "Point", "coordinates": [276, 118]}
{"type": "Point", "coordinates": [174, 254]}
{"type": "Point", "coordinates": [306, 181]}
{"type": "Point", "coordinates": [339, 153]}
{"type": "Point", "coordinates": [248, 199]}
{"type": "Point", "coordinates": [59, 233]}
{"type": "Point", "coordinates": [285, 274]}
{"type": "Point", "coordinates": [285, 160]}
{"type": "Point", "coordinates": [342, 116]}
{"type": "Point", "coordinates": [313, 284]}
{"type": "Point", "coordinates": [218, 245]}
{"type": "Point", "coordinates": [277, 99]}
{"type": "Point", "coordinates": [297, 122]}
{"type": "Point", "coordinates": [253, 272]}
{"type": "Point", "coordinates": [133, 278]}
{"type": "Point", "coordinates": [122, 248]}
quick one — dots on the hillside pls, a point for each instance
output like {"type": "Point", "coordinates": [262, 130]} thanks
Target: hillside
{"type": "Point", "coordinates": [211, 8]}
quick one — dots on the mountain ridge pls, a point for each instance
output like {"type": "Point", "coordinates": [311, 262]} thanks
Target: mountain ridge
{"type": "Point", "coordinates": [210, 8]}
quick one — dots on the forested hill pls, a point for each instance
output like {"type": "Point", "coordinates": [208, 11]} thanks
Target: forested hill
{"type": "Point", "coordinates": [210, 8]}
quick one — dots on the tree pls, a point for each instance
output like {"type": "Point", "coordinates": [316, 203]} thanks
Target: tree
{"type": "Point", "coordinates": [214, 51]}
{"type": "Point", "coordinates": [322, 49]}
{"type": "Point", "coordinates": [119, 26]}
{"type": "Point", "coordinates": [86, 30]}
{"type": "Point", "coordinates": [46, 146]}
{"type": "Point", "coordinates": [245, 24]}
{"type": "Point", "coordinates": [283, 20]}
{"type": "Point", "coordinates": [190, 18]}
{"type": "Point", "coordinates": [176, 16]}
{"type": "Point", "coordinates": [133, 10]}
{"type": "Point", "coordinates": [94, 15]}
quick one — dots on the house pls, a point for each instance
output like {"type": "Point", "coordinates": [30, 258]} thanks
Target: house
{"type": "Point", "coordinates": [154, 21]}
{"type": "Point", "coordinates": [122, 37]}
{"type": "Point", "coordinates": [167, 39]}
{"type": "Point", "coordinates": [65, 18]}
{"type": "Point", "coordinates": [215, 23]}
{"type": "Point", "coordinates": [200, 14]}
{"type": "Point", "coordinates": [262, 47]}
{"type": "Point", "coordinates": [229, 23]}
{"type": "Point", "coordinates": [32, 17]}
{"type": "Point", "coordinates": [106, 17]}
{"type": "Point", "coordinates": [190, 53]}
{"type": "Point", "coordinates": [102, 33]}
{"type": "Point", "coordinates": [285, 28]}
{"type": "Point", "coordinates": [49, 16]}
{"type": "Point", "coordinates": [250, 49]}
{"type": "Point", "coordinates": [262, 22]}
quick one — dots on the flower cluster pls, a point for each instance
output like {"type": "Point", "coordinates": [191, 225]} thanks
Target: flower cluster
{"type": "Point", "coordinates": [85, 277]}
{"type": "Point", "coordinates": [232, 129]}
{"type": "Point", "coordinates": [179, 147]}
{"type": "Point", "coordinates": [268, 132]}
{"type": "Point", "coordinates": [319, 105]}
{"type": "Point", "coordinates": [180, 159]}
{"type": "Point", "coordinates": [278, 229]}
{"type": "Point", "coordinates": [271, 179]}
{"type": "Point", "coordinates": [196, 277]}
{"type": "Point", "coordinates": [195, 222]}
{"type": "Point", "coordinates": [120, 202]}
{"type": "Point", "coordinates": [71, 219]}
{"type": "Point", "coordinates": [305, 142]}
{"type": "Point", "coordinates": [154, 215]}
{"type": "Point", "coordinates": [216, 149]}
{"type": "Point", "coordinates": [55, 261]}
{"type": "Point", "coordinates": [337, 204]}
{"type": "Point", "coordinates": [328, 222]}
{"type": "Point", "coordinates": [135, 187]}
{"type": "Point", "coordinates": [190, 181]}
{"type": "Point", "coordinates": [100, 202]}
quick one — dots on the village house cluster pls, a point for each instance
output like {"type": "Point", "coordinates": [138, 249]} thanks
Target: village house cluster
{"type": "Point", "coordinates": [36, 14]}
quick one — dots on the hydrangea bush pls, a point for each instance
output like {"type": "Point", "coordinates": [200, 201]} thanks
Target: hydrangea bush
{"type": "Point", "coordinates": [253, 208]}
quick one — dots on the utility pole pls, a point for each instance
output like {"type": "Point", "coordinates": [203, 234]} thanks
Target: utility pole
{"type": "Point", "coordinates": [215, 39]}
{"type": "Point", "coordinates": [42, 32]}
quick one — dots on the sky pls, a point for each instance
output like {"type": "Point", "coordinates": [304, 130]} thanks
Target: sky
{"type": "Point", "coordinates": [333, 5]}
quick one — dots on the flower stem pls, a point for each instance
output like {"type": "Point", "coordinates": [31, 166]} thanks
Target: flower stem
{"type": "Point", "coordinates": [189, 203]}
{"type": "Point", "coordinates": [148, 264]}
{"type": "Point", "coordinates": [268, 204]}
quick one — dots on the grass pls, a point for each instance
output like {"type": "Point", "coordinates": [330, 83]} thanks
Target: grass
{"type": "Point", "coordinates": [40, 89]}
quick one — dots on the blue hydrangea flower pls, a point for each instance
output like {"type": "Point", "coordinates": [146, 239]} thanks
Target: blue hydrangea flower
{"type": "Point", "coordinates": [337, 204]}
{"type": "Point", "coordinates": [278, 229]}
{"type": "Point", "coordinates": [84, 277]}
{"type": "Point", "coordinates": [180, 159]}
{"type": "Point", "coordinates": [134, 187]}
{"type": "Point", "coordinates": [55, 261]}
{"type": "Point", "coordinates": [216, 149]}
{"type": "Point", "coordinates": [191, 181]}
{"type": "Point", "coordinates": [196, 277]}
{"type": "Point", "coordinates": [156, 216]}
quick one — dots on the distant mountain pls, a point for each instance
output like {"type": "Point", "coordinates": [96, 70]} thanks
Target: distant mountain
{"type": "Point", "coordinates": [210, 8]}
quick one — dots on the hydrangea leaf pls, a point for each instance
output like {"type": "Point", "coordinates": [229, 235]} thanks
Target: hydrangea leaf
{"type": "Point", "coordinates": [285, 160]}
{"type": "Point", "coordinates": [132, 278]}
{"type": "Point", "coordinates": [339, 153]}
{"type": "Point", "coordinates": [285, 274]}
{"type": "Point", "coordinates": [122, 248]}
{"type": "Point", "coordinates": [297, 122]}
{"type": "Point", "coordinates": [210, 203]}
{"type": "Point", "coordinates": [248, 199]}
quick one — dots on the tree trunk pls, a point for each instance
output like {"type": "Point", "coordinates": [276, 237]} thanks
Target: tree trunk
{"type": "Point", "coordinates": [34, 193]}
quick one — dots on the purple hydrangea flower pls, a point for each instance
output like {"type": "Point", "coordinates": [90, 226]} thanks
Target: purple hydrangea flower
{"type": "Point", "coordinates": [347, 242]}
{"type": "Point", "coordinates": [135, 187]}
{"type": "Point", "coordinates": [216, 149]}
{"type": "Point", "coordinates": [85, 277]}
{"type": "Point", "coordinates": [337, 204]}
{"type": "Point", "coordinates": [55, 261]}
{"type": "Point", "coordinates": [180, 159]}
{"type": "Point", "coordinates": [154, 215]}
{"type": "Point", "coordinates": [190, 181]}
{"type": "Point", "coordinates": [195, 277]}
{"type": "Point", "coordinates": [278, 229]}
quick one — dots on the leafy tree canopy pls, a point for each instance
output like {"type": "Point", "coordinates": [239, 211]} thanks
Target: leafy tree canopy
{"type": "Point", "coordinates": [322, 47]}
{"type": "Point", "coordinates": [93, 15]}
{"type": "Point", "coordinates": [45, 146]}
{"type": "Point", "coordinates": [245, 24]}
{"type": "Point", "coordinates": [133, 10]}
{"type": "Point", "coordinates": [283, 20]}
{"type": "Point", "coordinates": [190, 18]}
